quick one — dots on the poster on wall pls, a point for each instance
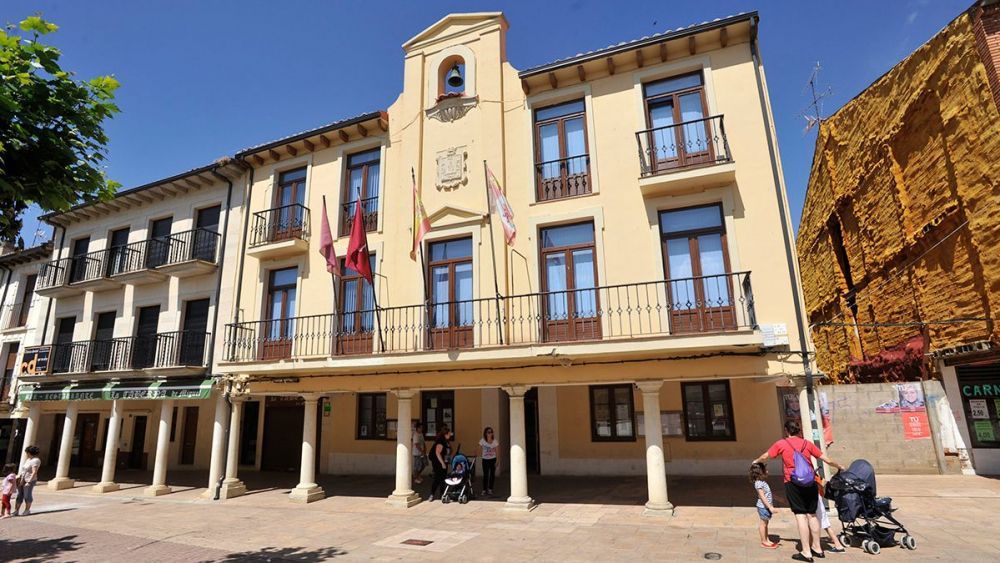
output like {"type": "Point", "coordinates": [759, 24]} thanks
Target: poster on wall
{"type": "Point", "coordinates": [791, 410]}
{"type": "Point", "coordinates": [913, 412]}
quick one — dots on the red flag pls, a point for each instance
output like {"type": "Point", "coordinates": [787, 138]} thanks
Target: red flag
{"type": "Point", "coordinates": [357, 249]}
{"type": "Point", "coordinates": [326, 245]}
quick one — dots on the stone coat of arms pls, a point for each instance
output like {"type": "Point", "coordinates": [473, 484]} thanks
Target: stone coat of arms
{"type": "Point", "coordinates": [451, 168]}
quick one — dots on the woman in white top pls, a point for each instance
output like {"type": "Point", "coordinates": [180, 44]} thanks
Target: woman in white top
{"type": "Point", "coordinates": [489, 447]}
{"type": "Point", "coordinates": [26, 480]}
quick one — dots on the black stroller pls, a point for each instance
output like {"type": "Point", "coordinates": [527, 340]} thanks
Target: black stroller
{"type": "Point", "coordinates": [863, 515]}
{"type": "Point", "coordinates": [458, 483]}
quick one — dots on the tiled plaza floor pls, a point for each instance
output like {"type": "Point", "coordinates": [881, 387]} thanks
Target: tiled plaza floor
{"type": "Point", "coordinates": [953, 518]}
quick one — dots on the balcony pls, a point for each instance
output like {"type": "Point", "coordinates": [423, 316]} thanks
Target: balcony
{"type": "Point", "coordinates": [163, 354]}
{"type": "Point", "coordinates": [280, 232]}
{"type": "Point", "coordinates": [191, 253]}
{"type": "Point", "coordinates": [562, 178]}
{"type": "Point", "coordinates": [685, 155]}
{"type": "Point", "coordinates": [14, 316]}
{"type": "Point", "coordinates": [624, 313]}
{"type": "Point", "coordinates": [369, 210]}
{"type": "Point", "coordinates": [135, 263]}
{"type": "Point", "coordinates": [75, 275]}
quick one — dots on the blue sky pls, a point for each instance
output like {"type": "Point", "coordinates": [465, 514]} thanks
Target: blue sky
{"type": "Point", "coordinates": [204, 79]}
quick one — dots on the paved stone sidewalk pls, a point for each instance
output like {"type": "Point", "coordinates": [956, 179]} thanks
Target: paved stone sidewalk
{"type": "Point", "coordinates": [952, 518]}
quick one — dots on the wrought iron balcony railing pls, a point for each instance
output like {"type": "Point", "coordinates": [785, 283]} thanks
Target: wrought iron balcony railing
{"type": "Point", "coordinates": [564, 177]}
{"type": "Point", "coordinates": [279, 224]}
{"type": "Point", "coordinates": [703, 304]}
{"type": "Point", "coordinates": [698, 142]}
{"type": "Point", "coordinates": [369, 210]}
{"type": "Point", "coordinates": [127, 353]}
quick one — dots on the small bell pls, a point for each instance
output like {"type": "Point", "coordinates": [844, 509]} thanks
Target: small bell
{"type": "Point", "coordinates": [454, 78]}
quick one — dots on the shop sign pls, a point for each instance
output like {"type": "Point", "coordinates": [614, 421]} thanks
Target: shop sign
{"type": "Point", "coordinates": [980, 390]}
{"type": "Point", "coordinates": [35, 360]}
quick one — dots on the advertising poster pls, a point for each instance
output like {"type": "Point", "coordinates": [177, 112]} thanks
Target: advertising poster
{"type": "Point", "coordinates": [913, 412]}
{"type": "Point", "coordinates": [791, 410]}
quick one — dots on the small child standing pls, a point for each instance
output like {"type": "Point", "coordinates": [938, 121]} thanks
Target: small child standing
{"type": "Point", "coordinates": [765, 502]}
{"type": "Point", "coordinates": [7, 489]}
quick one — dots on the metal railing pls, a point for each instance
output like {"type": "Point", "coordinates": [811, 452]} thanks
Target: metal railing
{"type": "Point", "coordinates": [564, 177]}
{"type": "Point", "coordinates": [88, 267]}
{"type": "Point", "coordinates": [281, 223]}
{"type": "Point", "coordinates": [369, 210]}
{"type": "Point", "coordinates": [704, 304]}
{"type": "Point", "coordinates": [125, 353]}
{"type": "Point", "coordinates": [15, 315]}
{"type": "Point", "coordinates": [697, 142]}
{"type": "Point", "coordinates": [52, 274]}
{"type": "Point", "coordinates": [196, 244]}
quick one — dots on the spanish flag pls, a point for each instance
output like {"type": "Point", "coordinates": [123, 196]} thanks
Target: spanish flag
{"type": "Point", "coordinates": [421, 224]}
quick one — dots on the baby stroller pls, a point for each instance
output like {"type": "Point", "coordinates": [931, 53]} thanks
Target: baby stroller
{"type": "Point", "coordinates": [865, 516]}
{"type": "Point", "coordinates": [458, 483]}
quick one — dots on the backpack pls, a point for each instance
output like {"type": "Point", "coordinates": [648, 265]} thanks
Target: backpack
{"type": "Point", "coordinates": [803, 473]}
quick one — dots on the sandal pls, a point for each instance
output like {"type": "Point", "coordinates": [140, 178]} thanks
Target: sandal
{"type": "Point", "coordinates": [836, 550]}
{"type": "Point", "coordinates": [769, 545]}
{"type": "Point", "coordinates": [800, 557]}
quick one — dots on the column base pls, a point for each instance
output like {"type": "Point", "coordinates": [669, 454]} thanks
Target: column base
{"type": "Point", "coordinates": [232, 488]}
{"type": "Point", "coordinates": [405, 500]}
{"type": "Point", "coordinates": [105, 487]}
{"type": "Point", "coordinates": [658, 509]}
{"type": "Point", "coordinates": [156, 490]}
{"type": "Point", "coordinates": [519, 504]}
{"type": "Point", "coordinates": [307, 493]}
{"type": "Point", "coordinates": [60, 483]}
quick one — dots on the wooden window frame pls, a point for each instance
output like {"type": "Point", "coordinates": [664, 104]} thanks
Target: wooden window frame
{"type": "Point", "coordinates": [457, 336]}
{"type": "Point", "coordinates": [706, 402]}
{"type": "Point", "coordinates": [674, 96]}
{"type": "Point", "coordinates": [564, 176]}
{"type": "Point", "coordinates": [357, 341]}
{"type": "Point", "coordinates": [347, 217]}
{"type": "Point", "coordinates": [372, 423]}
{"type": "Point", "coordinates": [29, 283]}
{"type": "Point", "coordinates": [280, 347]}
{"type": "Point", "coordinates": [425, 397]}
{"type": "Point", "coordinates": [586, 328]}
{"type": "Point", "coordinates": [594, 437]}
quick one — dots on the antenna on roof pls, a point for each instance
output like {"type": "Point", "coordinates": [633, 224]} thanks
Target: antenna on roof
{"type": "Point", "coordinates": [814, 111]}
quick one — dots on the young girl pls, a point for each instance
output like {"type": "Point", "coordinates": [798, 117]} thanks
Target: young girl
{"type": "Point", "coordinates": [765, 502]}
{"type": "Point", "coordinates": [9, 484]}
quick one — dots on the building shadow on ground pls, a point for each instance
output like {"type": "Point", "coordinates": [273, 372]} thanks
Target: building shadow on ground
{"type": "Point", "coordinates": [275, 554]}
{"type": "Point", "coordinates": [38, 550]}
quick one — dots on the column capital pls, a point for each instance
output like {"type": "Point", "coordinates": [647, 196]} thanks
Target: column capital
{"type": "Point", "coordinates": [649, 386]}
{"type": "Point", "coordinates": [404, 393]}
{"type": "Point", "coordinates": [516, 391]}
{"type": "Point", "coordinates": [311, 397]}
{"type": "Point", "coordinates": [239, 398]}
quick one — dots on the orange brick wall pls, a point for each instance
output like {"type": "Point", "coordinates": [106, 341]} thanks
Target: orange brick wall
{"type": "Point", "coordinates": [909, 171]}
{"type": "Point", "coordinates": [987, 29]}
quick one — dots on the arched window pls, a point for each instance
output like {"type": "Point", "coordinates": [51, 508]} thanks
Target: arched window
{"type": "Point", "coordinates": [451, 77]}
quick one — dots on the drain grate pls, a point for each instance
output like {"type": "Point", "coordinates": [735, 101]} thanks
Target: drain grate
{"type": "Point", "coordinates": [713, 556]}
{"type": "Point", "coordinates": [418, 543]}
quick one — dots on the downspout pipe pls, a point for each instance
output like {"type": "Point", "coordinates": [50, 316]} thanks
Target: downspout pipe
{"type": "Point", "coordinates": [790, 256]}
{"type": "Point", "coordinates": [48, 309]}
{"type": "Point", "coordinates": [246, 233]}
{"type": "Point", "coordinates": [221, 261]}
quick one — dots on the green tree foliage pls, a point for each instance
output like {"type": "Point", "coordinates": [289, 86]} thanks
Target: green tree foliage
{"type": "Point", "coordinates": [52, 142]}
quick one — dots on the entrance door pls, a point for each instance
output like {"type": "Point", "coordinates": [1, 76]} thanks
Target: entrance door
{"type": "Point", "coordinates": [103, 354]}
{"type": "Point", "coordinates": [85, 441]}
{"type": "Point", "coordinates": [531, 431]}
{"type": "Point", "coordinates": [192, 350]}
{"type": "Point", "coordinates": [158, 246]}
{"type": "Point", "coordinates": [248, 433]}
{"type": "Point", "coordinates": [144, 347]}
{"type": "Point", "coordinates": [57, 430]}
{"type": "Point", "coordinates": [207, 233]}
{"type": "Point", "coordinates": [190, 435]}
{"type": "Point", "coordinates": [118, 258]}
{"type": "Point", "coordinates": [136, 459]}
{"type": "Point", "coordinates": [282, 448]}
{"type": "Point", "coordinates": [6, 437]}
{"type": "Point", "coordinates": [78, 265]}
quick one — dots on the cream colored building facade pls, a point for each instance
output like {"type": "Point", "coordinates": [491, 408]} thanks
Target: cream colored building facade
{"type": "Point", "coordinates": [638, 323]}
{"type": "Point", "coordinates": [630, 171]}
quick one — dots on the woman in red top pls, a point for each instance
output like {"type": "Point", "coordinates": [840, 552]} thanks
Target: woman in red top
{"type": "Point", "coordinates": [802, 500]}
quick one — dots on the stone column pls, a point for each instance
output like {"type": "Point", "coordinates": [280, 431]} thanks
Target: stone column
{"type": "Point", "coordinates": [307, 490]}
{"type": "Point", "coordinates": [232, 487]}
{"type": "Point", "coordinates": [519, 499]}
{"type": "Point", "coordinates": [107, 483]}
{"type": "Point", "coordinates": [30, 430]}
{"type": "Point", "coordinates": [403, 496]}
{"type": "Point", "coordinates": [159, 486]}
{"type": "Point", "coordinates": [218, 448]}
{"type": "Point", "coordinates": [62, 480]}
{"type": "Point", "coordinates": [656, 475]}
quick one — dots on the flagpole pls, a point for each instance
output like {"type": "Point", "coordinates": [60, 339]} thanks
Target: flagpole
{"type": "Point", "coordinates": [423, 264]}
{"type": "Point", "coordinates": [333, 280]}
{"type": "Point", "coordinates": [378, 310]}
{"type": "Point", "coordinates": [493, 250]}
